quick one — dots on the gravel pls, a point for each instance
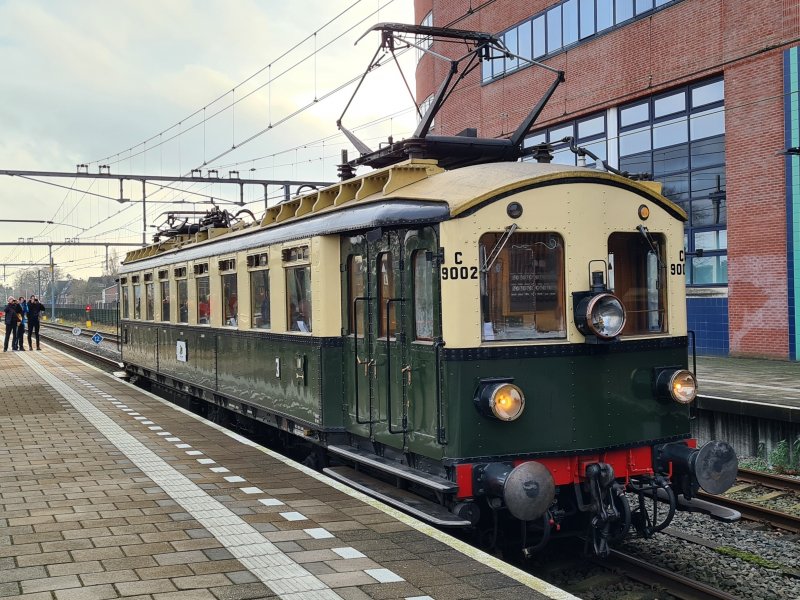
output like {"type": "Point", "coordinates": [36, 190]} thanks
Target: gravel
{"type": "Point", "coordinates": [106, 348]}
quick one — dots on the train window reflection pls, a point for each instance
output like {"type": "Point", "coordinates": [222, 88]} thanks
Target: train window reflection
{"type": "Point", "coordinates": [386, 293]}
{"type": "Point", "coordinates": [164, 300]}
{"type": "Point", "coordinates": [423, 297]}
{"type": "Point", "coordinates": [298, 287]}
{"type": "Point", "coordinates": [183, 301]}
{"type": "Point", "coordinates": [259, 299]}
{"type": "Point", "coordinates": [149, 291]}
{"type": "Point", "coordinates": [137, 302]}
{"type": "Point", "coordinates": [522, 286]}
{"type": "Point", "coordinates": [126, 307]}
{"type": "Point", "coordinates": [639, 280]}
{"type": "Point", "coordinates": [203, 301]}
{"type": "Point", "coordinates": [356, 289]}
{"type": "Point", "coordinates": [230, 300]}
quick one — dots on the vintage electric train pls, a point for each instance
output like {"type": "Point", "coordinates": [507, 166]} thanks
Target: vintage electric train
{"type": "Point", "coordinates": [487, 343]}
{"type": "Point", "coordinates": [502, 339]}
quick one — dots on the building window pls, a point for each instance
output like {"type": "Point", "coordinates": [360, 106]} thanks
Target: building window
{"type": "Point", "coordinates": [425, 41]}
{"type": "Point", "coordinates": [567, 22]}
{"type": "Point", "coordinates": [679, 139]}
{"type": "Point", "coordinates": [589, 132]}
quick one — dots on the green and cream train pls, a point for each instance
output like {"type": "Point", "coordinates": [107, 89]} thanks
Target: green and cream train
{"type": "Point", "coordinates": [485, 346]}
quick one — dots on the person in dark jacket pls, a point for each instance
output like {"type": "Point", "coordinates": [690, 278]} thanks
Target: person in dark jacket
{"type": "Point", "coordinates": [35, 308]}
{"type": "Point", "coordinates": [11, 323]}
{"type": "Point", "coordinates": [22, 307]}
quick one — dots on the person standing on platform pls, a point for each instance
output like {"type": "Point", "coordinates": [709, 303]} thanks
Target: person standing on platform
{"type": "Point", "coordinates": [22, 306]}
{"type": "Point", "coordinates": [11, 322]}
{"type": "Point", "coordinates": [35, 308]}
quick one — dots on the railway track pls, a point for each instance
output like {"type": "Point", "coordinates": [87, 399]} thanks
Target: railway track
{"type": "Point", "coordinates": [84, 352]}
{"type": "Point", "coordinates": [752, 511]}
{"type": "Point", "coordinates": [111, 337]}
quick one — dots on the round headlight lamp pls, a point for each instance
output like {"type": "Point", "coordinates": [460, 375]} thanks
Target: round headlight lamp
{"type": "Point", "coordinates": [501, 400]}
{"type": "Point", "coordinates": [680, 385]}
{"type": "Point", "coordinates": [601, 315]}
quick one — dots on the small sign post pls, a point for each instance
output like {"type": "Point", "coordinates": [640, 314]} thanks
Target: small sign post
{"type": "Point", "coordinates": [76, 331]}
{"type": "Point", "coordinates": [97, 338]}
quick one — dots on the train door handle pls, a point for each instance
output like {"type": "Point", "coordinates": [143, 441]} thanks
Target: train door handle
{"type": "Point", "coordinates": [367, 364]}
{"type": "Point", "coordinates": [407, 372]}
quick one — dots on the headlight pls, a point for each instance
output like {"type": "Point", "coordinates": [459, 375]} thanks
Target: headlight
{"type": "Point", "coordinates": [679, 385]}
{"type": "Point", "coordinates": [601, 315]}
{"type": "Point", "coordinates": [501, 400]}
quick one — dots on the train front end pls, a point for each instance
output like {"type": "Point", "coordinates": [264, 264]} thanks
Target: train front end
{"type": "Point", "coordinates": [565, 370]}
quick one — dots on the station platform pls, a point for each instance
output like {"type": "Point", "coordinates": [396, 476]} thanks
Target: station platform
{"type": "Point", "coordinates": [768, 389]}
{"type": "Point", "coordinates": [107, 491]}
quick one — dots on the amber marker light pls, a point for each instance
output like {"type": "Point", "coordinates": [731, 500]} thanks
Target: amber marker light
{"type": "Point", "coordinates": [500, 399]}
{"type": "Point", "coordinates": [679, 384]}
{"type": "Point", "coordinates": [644, 212]}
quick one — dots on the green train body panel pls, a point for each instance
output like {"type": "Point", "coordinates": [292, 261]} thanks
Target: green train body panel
{"type": "Point", "coordinates": [573, 404]}
{"type": "Point", "coordinates": [296, 378]}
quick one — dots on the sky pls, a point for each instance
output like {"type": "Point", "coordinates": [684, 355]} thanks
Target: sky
{"type": "Point", "coordinates": [164, 87]}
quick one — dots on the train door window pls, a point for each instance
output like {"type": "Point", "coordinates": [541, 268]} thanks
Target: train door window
{"type": "Point", "coordinates": [149, 299]}
{"type": "Point", "coordinates": [126, 305]}
{"type": "Point", "coordinates": [203, 301]}
{"type": "Point", "coordinates": [423, 296]}
{"type": "Point", "coordinates": [387, 325]}
{"type": "Point", "coordinates": [183, 300]}
{"type": "Point", "coordinates": [522, 286]}
{"type": "Point", "coordinates": [137, 301]}
{"type": "Point", "coordinates": [164, 285]}
{"type": "Point", "coordinates": [638, 278]}
{"type": "Point", "coordinates": [259, 299]}
{"type": "Point", "coordinates": [298, 298]}
{"type": "Point", "coordinates": [356, 288]}
{"type": "Point", "coordinates": [230, 300]}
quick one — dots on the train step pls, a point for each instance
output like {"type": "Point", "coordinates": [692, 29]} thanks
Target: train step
{"type": "Point", "coordinates": [437, 484]}
{"type": "Point", "coordinates": [421, 508]}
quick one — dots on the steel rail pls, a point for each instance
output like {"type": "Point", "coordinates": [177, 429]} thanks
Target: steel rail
{"type": "Point", "coordinates": [111, 337]}
{"type": "Point", "coordinates": [88, 353]}
{"type": "Point", "coordinates": [677, 585]}
{"type": "Point", "coordinates": [771, 480]}
{"type": "Point", "coordinates": [754, 512]}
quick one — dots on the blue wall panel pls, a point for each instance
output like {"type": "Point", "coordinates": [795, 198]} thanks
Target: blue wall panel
{"type": "Point", "coordinates": [708, 318]}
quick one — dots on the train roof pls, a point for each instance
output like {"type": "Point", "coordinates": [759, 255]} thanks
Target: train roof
{"type": "Point", "coordinates": [414, 191]}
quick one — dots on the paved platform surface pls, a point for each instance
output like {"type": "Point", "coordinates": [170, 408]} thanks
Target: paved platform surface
{"type": "Point", "coordinates": [108, 492]}
{"type": "Point", "coordinates": [749, 380]}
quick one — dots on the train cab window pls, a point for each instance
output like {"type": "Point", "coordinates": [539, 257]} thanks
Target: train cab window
{"type": "Point", "coordinates": [164, 289]}
{"type": "Point", "coordinates": [637, 277]}
{"type": "Point", "coordinates": [356, 286]}
{"type": "Point", "coordinates": [149, 299]}
{"type": "Point", "coordinates": [203, 301]}
{"type": "Point", "coordinates": [298, 298]}
{"type": "Point", "coordinates": [522, 286]}
{"type": "Point", "coordinates": [230, 300]}
{"type": "Point", "coordinates": [423, 296]}
{"type": "Point", "coordinates": [126, 304]}
{"type": "Point", "coordinates": [387, 318]}
{"type": "Point", "coordinates": [137, 301]}
{"type": "Point", "coordinates": [183, 300]}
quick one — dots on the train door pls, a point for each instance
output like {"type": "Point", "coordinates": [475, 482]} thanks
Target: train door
{"type": "Point", "coordinates": [392, 338]}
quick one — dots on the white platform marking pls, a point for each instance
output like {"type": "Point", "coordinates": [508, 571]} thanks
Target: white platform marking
{"type": "Point", "coordinates": [348, 552]}
{"type": "Point", "coordinates": [275, 502]}
{"type": "Point", "coordinates": [383, 575]}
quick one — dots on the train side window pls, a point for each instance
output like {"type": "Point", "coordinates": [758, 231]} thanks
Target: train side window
{"type": "Point", "coordinates": [259, 299]}
{"type": "Point", "coordinates": [137, 301]}
{"type": "Point", "coordinates": [203, 301]}
{"type": "Point", "coordinates": [356, 286]}
{"type": "Point", "coordinates": [230, 300]}
{"type": "Point", "coordinates": [298, 298]}
{"type": "Point", "coordinates": [126, 305]}
{"type": "Point", "coordinates": [164, 285]}
{"type": "Point", "coordinates": [385, 293]}
{"type": "Point", "coordinates": [522, 286]}
{"type": "Point", "coordinates": [149, 299]}
{"type": "Point", "coordinates": [423, 296]}
{"type": "Point", "coordinates": [637, 277]}
{"type": "Point", "coordinates": [183, 301]}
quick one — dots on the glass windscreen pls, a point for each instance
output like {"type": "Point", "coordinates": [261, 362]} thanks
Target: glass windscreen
{"type": "Point", "coordinates": [522, 286]}
{"type": "Point", "coordinates": [298, 287]}
{"type": "Point", "coordinates": [259, 298]}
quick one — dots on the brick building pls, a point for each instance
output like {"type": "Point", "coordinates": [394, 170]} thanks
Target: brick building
{"type": "Point", "coordinates": [703, 94]}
